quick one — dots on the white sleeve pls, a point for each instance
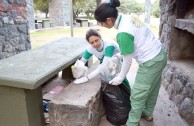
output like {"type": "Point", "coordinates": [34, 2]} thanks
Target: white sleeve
{"type": "Point", "coordinates": [93, 74]}
{"type": "Point", "coordinates": [84, 60]}
{"type": "Point", "coordinates": [105, 59]}
{"type": "Point", "coordinates": [127, 60]}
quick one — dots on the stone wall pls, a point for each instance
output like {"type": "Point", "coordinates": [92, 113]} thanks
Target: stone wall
{"type": "Point", "coordinates": [59, 12]}
{"type": "Point", "coordinates": [180, 87]}
{"type": "Point", "coordinates": [14, 35]}
{"type": "Point", "coordinates": [178, 76]}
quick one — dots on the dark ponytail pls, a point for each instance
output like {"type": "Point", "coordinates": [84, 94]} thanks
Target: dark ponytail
{"type": "Point", "coordinates": [107, 10]}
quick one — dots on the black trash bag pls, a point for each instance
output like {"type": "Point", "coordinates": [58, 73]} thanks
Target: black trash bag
{"type": "Point", "coordinates": [116, 100]}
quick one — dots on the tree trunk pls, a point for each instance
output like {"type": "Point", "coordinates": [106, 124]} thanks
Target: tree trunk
{"type": "Point", "coordinates": [98, 2]}
{"type": "Point", "coordinates": [46, 14]}
{"type": "Point", "coordinates": [147, 11]}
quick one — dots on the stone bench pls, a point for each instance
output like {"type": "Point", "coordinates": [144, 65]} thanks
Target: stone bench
{"type": "Point", "coordinates": [22, 75]}
{"type": "Point", "coordinates": [77, 105]}
{"type": "Point", "coordinates": [83, 22]}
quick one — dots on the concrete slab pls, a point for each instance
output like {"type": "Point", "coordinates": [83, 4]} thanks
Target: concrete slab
{"type": "Point", "coordinates": [32, 68]}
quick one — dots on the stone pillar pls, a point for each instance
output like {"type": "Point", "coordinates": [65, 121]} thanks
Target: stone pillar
{"type": "Point", "coordinates": [59, 12]}
{"type": "Point", "coordinates": [147, 11]}
{"type": "Point", "coordinates": [14, 34]}
{"type": "Point", "coordinates": [21, 107]}
{"type": "Point", "coordinates": [30, 13]}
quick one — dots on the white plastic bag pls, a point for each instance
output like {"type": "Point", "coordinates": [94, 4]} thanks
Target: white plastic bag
{"type": "Point", "coordinates": [79, 69]}
{"type": "Point", "coordinates": [110, 69]}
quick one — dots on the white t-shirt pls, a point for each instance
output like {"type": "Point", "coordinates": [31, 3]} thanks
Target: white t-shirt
{"type": "Point", "coordinates": [109, 48]}
{"type": "Point", "coordinates": [136, 38]}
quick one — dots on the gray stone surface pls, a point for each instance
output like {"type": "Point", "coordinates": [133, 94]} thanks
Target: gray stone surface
{"type": "Point", "coordinates": [176, 34]}
{"type": "Point", "coordinates": [20, 107]}
{"type": "Point", "coordinates": [180, 87]}
{"type": "Point", "coordinates": [185, 24]}
{"type": "Point", "coordinates": [13, 25]}
{"type": "Point", "coordinates": [30, 13]}
{"type": "Point", "coordinates": [77, 105]}
{"type": "Point", "coordinates": [32, 68]}
{"type": "Point", "coordinates": [59, 12]}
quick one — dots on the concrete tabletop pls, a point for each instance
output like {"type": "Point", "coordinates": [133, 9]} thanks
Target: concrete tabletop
{"type": "Point", "coordinates": [32, 68]}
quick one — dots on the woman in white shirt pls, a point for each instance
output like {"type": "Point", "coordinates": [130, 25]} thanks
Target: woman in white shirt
{"type": "Point", "coordinates": [103, 49]}
{"type": "Point", "coordinates": [136, 41]}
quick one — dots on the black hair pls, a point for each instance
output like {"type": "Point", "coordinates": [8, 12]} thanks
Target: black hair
{"type": "Point", "coordinates": [107, 10]}
{"type": "Point", "coordinates": [92, 32]}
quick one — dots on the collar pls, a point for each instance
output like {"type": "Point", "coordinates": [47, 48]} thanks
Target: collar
{"type": "Point", "coordinates": [101, 47]}
{"type": "Point", "coordinates": [117, 22]}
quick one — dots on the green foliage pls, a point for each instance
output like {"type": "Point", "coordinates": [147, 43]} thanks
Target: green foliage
{"type": "Point", "coordinates": [156, 9]}
{"type": "Point", "coordinates": [42, 5]}
{"type": "Point", "coordinates": [131, 6]}
{"type": "Point", "coordinates": [84, 6]}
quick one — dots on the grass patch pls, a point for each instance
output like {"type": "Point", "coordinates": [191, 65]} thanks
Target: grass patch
{"type": "Point", "coordinates": [44, 36]}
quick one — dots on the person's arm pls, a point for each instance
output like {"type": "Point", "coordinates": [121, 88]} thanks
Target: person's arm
{"type": "Point", "coordinates": [88, 77]}
{"type": "Point", "coordinates": [86, 56]}
{"type": "Point", "coordinates": [126, 45]}
{"type": "Point", "coordinates": [84, 60]}
{"type": "Point", "coordinates": [127, 60]}
{"type": "Point", "coordinates": [109, 52]}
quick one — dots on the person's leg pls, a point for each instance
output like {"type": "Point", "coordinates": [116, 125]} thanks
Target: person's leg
{"type": "Point", "coordinates": [147, 74]}
{"type": "Point", "coordinates": [138, 97]}
{"type": "Point", "coordinates": [156, 70]}
{"type": "Point", "coordinates": [151, 101]}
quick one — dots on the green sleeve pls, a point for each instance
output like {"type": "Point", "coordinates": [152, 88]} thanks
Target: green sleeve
{"type": "Point", "coordinates": [126, 42]}
{"type": "Point", "coordinates": [109, 51]}
{"type": "Point", "coordinates": [87, 55]}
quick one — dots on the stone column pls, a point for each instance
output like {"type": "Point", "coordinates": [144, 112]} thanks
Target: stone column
{"type": "Point", "coordinates": [147, 11]}
{"type": "Point", "coordinates": [14, 34]}
{"type": "Point", "coordinates": [59, 12]}
{"type": "Point", "coordinates": [30, 13]}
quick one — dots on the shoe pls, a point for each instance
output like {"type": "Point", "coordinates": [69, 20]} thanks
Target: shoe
{"type": "Point", "coordinates": [147, 118]}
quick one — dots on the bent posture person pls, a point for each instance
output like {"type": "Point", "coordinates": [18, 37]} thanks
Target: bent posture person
{"type": "Point", "coordinates": [103, 49]}
{"type": "Point", "coordinates": [136, 41]}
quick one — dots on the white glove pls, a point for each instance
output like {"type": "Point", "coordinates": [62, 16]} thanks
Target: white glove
{"type": "Point", "coordinates": [81, 80]}
{"type": "Point", "coordinates": [79, 69]}
{"type": "Point", "coordinates": [119, 56]}
{"type": "Point", "coordinates": [116, 81]}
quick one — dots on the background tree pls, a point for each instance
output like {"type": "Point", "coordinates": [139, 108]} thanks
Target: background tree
{"type": "Point", "coordinates": [42, 5]}
{"type": "Point", "coordinates": [131, 6]}
{"type": "Point", "coordinates": [156, 9]}
{"type": "Point", "coordinates": [84, 6]}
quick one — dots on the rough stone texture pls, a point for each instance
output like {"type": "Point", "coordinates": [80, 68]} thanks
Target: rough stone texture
{"type": "Point", "coordinates": [59, 12]}
{"type": "Point", "coordinates": [176, 34]}
{"type": "Point", "coordinates": [30, 12]}
{"type": "Point", "coordinates": [14, 35]}
{"type": "Point", "coordinates": [178, 80]}
{"type": "Point", "coordinates": [77, 105]}
{"type": "Point", "coordinates": [185, 24]}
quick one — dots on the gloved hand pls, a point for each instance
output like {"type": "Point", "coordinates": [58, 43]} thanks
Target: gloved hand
{"type": "Point", "coordinates": [116, 81]}
{"type": "Point", "coordinates": [118, 56]}
{"type": "Point", "coordinates": [81, 80]}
